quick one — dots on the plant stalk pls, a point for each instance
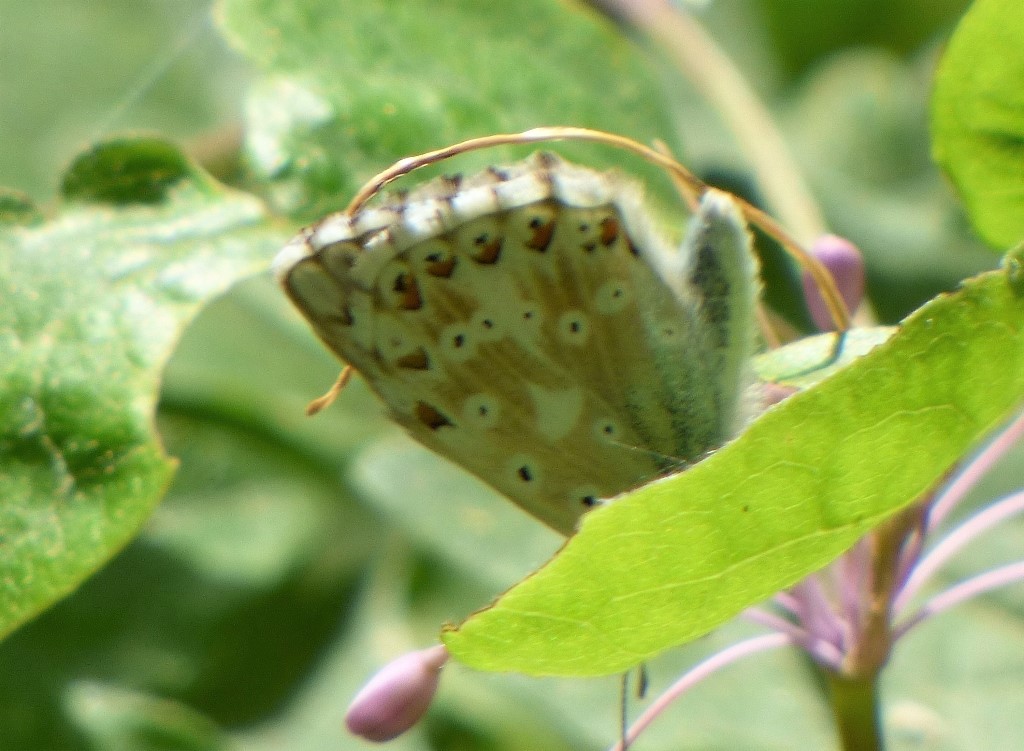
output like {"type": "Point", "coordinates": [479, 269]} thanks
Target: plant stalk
{"type": "Point", "coordinates": [855, 707]}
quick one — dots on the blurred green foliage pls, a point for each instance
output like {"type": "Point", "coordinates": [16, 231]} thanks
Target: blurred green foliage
{"type": "Point", "coordinates": [290, 558]}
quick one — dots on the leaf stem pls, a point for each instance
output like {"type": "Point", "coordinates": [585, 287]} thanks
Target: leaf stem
{"type": "Point", "coordinates": [856, 711]}
{"type": "Point", "coordinates": [872, 639]}
{"type": "Point", "coordinates": [853, 685]}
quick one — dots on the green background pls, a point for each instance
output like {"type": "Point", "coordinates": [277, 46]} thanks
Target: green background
{"type": "Point", "coordinates": [288, 560]}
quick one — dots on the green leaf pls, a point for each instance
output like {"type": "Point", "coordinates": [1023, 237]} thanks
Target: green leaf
{"type": "Point", "coordinates": [811, 359]}
{"type": "Point", "coordinates": [353, 86]}
{"type": "Point", "coordinates": [94, 302]}
{"type": "Point", "coordinates": [671, 561]}
{"type": "Point", "coordinates": [63, 88]}
{"type": "Point", "coordinates": [114, 718]}
{"type": "Point", "coordinates": [17, 208]}
{"type": "Point", "coordinates": [978, 118]}
{"type": "Point", "coordinates": [129, 170]}
{"type": "Point", "coordinates": [897, 25]}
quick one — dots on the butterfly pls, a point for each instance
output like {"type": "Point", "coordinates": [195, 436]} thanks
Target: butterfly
{"type": "Point", "coordinates": [531, 324]}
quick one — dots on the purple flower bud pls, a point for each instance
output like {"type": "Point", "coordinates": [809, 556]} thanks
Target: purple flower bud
{"type": "Point", "coordinates": [846, 265]}
{"type": "Point", "coordinates": [397, 696]}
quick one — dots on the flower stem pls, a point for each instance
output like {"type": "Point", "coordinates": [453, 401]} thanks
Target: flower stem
{"type": "Point", "coordinates": [856, 711]}
{"type": "Point", "coordinates": [699, 57]}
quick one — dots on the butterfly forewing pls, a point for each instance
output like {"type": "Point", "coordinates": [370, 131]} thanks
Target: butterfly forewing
{"type": "Point", "coordinates": [528, 324]}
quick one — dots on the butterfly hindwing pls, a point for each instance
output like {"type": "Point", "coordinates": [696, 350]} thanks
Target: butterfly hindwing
{"type": "Point", "coordinates": [528, 324]}
{"type": "Point", "coordinates": [722, 269]}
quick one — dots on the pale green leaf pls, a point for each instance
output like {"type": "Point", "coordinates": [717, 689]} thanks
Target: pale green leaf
{"type": "Point", "coordinates": [813, 358]}
{"type": "Point", "coordinates": [351, 87]}
{"type": "Point", "coordinates": [93, 303]}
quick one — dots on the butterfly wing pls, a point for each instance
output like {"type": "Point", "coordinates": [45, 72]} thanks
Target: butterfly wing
{"type": "Point", "coordinates": [527, 324]}
{"type": "Point", "coordinates": [719, 264]}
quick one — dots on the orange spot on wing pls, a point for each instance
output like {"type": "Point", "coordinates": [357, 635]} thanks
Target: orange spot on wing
{"type": "Point", "coordinates": [441, 267]}
{"type": "Point", "coordinates": [417, 360]}
{"type": "Point", "coordinates": [489, 249]}
{"type": "Point", "coordinates": [409, 292]}
{"type": "Point", "coordinates": [430, 416]}
{"type": "Point", "coordinates": [609, 230]}
{"type": "Point", "coordinates": [542, 234]}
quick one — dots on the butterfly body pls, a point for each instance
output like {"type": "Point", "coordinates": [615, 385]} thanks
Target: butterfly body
{"type": "Point", "coordinates": [530, 324]}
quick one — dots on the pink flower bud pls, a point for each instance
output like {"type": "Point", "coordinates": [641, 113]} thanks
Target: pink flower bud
{"type": "Point", "coordinates": [773, 393]}
{"type": "Point", "coordinates": [846, 265]}
{"type": "Point", "coordinates": [397, 696]}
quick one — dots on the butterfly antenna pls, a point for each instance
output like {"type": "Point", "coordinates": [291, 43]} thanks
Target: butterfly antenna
{"type": "Point", "coordinates": [822, 277]}
{"type": "Point", "coordinates": [689, 184]}
{"type": "Point", "coordinates": [681, 187]}
{"type": "Point", "coordinates": [690, 187]}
